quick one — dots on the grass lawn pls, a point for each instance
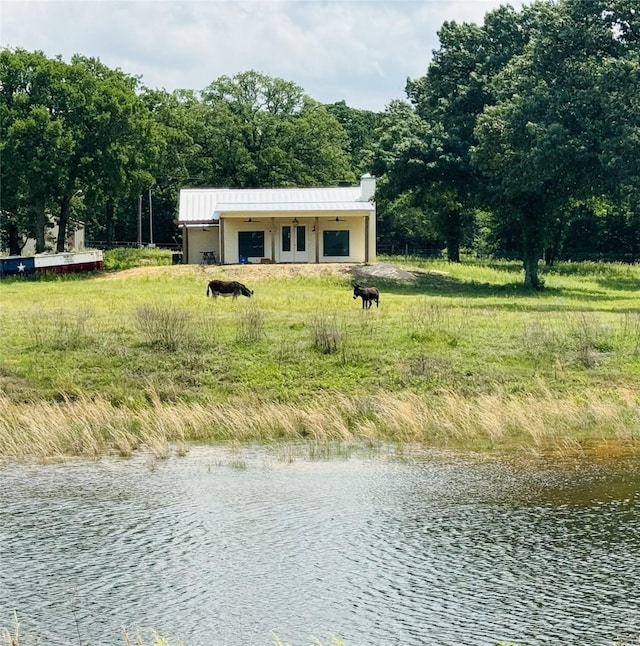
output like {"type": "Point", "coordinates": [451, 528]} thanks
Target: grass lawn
{"type": "Point", "coordinates": [462, 356]}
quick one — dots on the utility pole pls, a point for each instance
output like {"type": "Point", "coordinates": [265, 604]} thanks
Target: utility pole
{"type": "Point", "coordinates": [150, 221]}
{"type": "Point", "coordinates": [140, 221]}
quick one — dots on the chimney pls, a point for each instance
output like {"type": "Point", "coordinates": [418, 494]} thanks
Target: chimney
{"type": "Point", "coordinates": [367, 187]}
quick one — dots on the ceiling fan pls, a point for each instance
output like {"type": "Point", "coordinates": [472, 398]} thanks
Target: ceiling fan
{"type": "Point", "coordinates": [252, 220]}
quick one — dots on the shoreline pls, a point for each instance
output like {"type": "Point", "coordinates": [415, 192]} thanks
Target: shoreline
{"type": "Point", "coordinates": [512, 427]}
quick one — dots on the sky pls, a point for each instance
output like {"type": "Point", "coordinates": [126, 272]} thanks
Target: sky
{"type": "Point", "coordinates": [358, 51]}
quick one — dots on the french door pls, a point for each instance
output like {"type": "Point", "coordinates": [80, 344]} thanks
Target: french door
{"type": "Point", "coordinates": [293, 243]}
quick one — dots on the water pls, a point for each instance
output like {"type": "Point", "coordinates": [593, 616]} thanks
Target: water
{"type": "Point", "coordinates": [238, 549]}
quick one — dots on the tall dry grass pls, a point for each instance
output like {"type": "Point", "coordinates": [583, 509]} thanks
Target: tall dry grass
{"type": "Point", "coordinates": [250, 324]}
{"type": "Point", "coordinates": [162, 327]}
{"type": "Point", "coordinates": [542, 423]}
{"type": "Point", "coordinates": [60, 329]}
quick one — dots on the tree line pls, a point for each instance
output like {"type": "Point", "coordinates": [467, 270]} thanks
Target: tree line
{"type": "Point", "coordinates": [521, 139]}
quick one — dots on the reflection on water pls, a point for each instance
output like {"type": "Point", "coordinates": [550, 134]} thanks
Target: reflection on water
{"type": "Point", "coordinates": [231, 549]}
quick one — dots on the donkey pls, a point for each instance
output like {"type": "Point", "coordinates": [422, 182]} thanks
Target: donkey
{"type": "Point", "coordinates": [368, 295]}
{"type": "Point", "coordinates": [228, 288]}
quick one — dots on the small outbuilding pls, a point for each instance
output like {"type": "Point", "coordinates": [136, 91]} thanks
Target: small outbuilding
{"type": "Point", "coordinates": [279, 225]}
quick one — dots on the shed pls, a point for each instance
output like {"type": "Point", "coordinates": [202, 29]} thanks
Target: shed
{"type": "Point", "coordinates": [279, 225]}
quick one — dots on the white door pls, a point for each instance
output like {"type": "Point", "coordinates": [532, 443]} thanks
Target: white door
{"type": "Point", "coordinates": [293, 243]}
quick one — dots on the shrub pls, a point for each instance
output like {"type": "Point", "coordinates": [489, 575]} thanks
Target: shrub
{"type": "Point", "coordinates": [327, 338]}
{"type": "Point", "coordinates": [163, 327]}
{"type": "Point", "coordinates": [250, 324]}
{"type": "Point", "coordinates": [119, 259]}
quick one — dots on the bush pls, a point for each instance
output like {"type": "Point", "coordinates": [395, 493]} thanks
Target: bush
{"type": "Point", "coordinates": [250, 323]}
{"type": "Point", "coordinates": [119, 259]}
{"type": "Point", "coordinates": [327, 337]}
{"type": "Point", "coordinates": [163, 327]}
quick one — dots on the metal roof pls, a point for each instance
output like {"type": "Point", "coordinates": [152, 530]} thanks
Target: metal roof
{"type": "Point", "coordinates": [208, 204]}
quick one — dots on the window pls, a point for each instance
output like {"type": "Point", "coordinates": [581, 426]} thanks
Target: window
{"type": "Point", "coordinates": [251, 243]}
{"type": "Point", "coordinates": [286, 238]}
{"type": "Point", "coordinates": [335, 243]}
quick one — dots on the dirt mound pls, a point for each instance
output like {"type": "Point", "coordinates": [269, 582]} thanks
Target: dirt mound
{"type": "Point", "coordinates": [383, 270]}
{"type": "Point", "coordinates": [257, 272]}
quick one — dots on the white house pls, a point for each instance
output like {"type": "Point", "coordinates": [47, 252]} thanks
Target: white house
{"type": "Point", "coordinates": [279, 225]}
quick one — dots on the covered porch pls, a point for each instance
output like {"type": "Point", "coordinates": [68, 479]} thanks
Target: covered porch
{"type": "Point", "coordinates": [278, 225]}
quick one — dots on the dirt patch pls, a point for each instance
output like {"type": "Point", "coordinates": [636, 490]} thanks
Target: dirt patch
{"type": "Point", "coordinates": [268, 271]}
{"type": "Point", "coordinates": [255, 272]}
{"type": "Point", "coordinates": [383, 270]}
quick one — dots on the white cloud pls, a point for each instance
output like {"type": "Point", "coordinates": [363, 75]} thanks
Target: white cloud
{"type": "Point", "coordinates": [358, 51]}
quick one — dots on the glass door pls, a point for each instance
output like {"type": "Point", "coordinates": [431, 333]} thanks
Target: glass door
{"type": "Point", "coordinates": [300, 244]}
{"type": "Point", "coordinates": [293, 243]}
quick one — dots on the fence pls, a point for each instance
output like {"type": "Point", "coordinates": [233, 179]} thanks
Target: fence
{"type": "Point", "coordinates": [435, 253]}
{"type": "Point", "coordinates": [121, 244]}
{"type": "Point", "coordinates": [409, 250]}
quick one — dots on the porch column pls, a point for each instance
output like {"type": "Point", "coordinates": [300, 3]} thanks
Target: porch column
{"type": "Point", "coordinates": [316, 230]}
{"type": "Point", "coordinates": [366, 238]}
{"type": "Point", "coordinates": [221, 233]}
{"type": "Point", "coordinates": [273, 240]}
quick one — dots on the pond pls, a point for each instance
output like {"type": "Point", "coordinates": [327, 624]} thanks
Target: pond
{"type": "Point", "coordinates": [377, 547]}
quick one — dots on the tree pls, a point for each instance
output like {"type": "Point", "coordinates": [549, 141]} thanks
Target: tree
{"type": "Point", "coordinates": [447, 102]}
{"type": "Point", "coordinates": [117, 141]}
{"type": "Point", "coordinates": [178, 116]}
{"type": "Point", "coordinates": [35, 146]}
{"type": "Point", "coordinates": [398, 161]}
{"type": "Point", "coordinates": [260, 132]}
{"type": "Point", "coordinates": [360, 126]}
{"type": "Point", "coordinates": [543, 144]}
{"type": "Point", "coordinates": [71, 130]}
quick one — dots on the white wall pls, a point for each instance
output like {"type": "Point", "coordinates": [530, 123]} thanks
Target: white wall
{"type": "Point", "coordinates": [367, 187]}
{"type": "Point", "coordinates": [355, 223]}
{"type": "Point", "coordinates": [75, 241]}
{"type": "Point", "coordinates": [356, 240]}
{"type": "Point", "coordinates": [231, 227]}
{"type": "Point", "coordinates": [201, 239]}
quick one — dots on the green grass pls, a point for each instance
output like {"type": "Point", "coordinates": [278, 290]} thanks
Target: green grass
{"type": "Point", "coordinates": [118, 259]}
{"type": "Point", "coordinates": [466, 333]}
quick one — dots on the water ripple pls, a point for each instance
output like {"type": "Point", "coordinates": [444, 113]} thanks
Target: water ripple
{"type": "Point", "coordinates": [227, 549]}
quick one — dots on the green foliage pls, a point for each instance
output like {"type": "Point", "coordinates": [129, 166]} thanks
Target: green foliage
{"type": "Point", "coordinates": [262, 131]}
{"type": "Point", "coordinates": [78, 137]}
{"type": "Point", "coordinates": [519, 141]}
{"type": "Point", "coordinates": [545, 143]}
{"type": "Point", "coordinates": [529, 117]}
{"type": "Point", "coordinates": [360, 126]}
{"type": "Point", "coordinates": [127, 258]}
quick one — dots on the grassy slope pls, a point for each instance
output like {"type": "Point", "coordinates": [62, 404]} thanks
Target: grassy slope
{"type": "Point", "coordinates": [464, 356]}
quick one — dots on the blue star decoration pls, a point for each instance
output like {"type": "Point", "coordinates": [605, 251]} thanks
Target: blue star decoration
{"type": "Point", "coordinates": [17, 265]}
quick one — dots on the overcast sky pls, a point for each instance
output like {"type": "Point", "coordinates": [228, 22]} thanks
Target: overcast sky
{"type": "Point", "coordinates": [360, 51]}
